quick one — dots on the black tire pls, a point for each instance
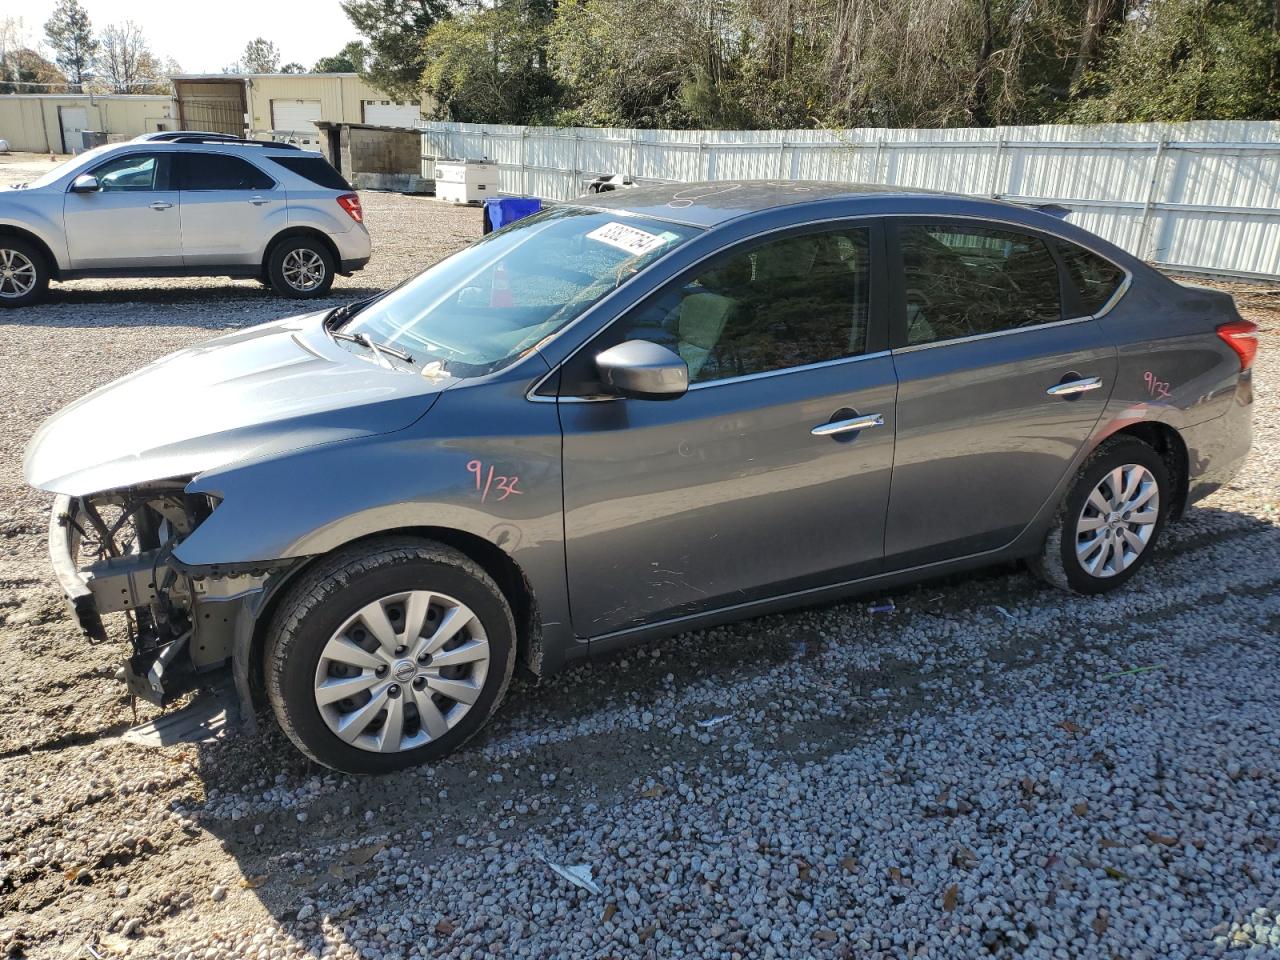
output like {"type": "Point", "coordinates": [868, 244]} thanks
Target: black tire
{"type": "Point", "coordinates": [281, 267]}
{"type": "Point", "coordinates": [17, 257]}
{"type": "Point", "coordinates": [324, 598]}
{"type": "Point", "coordinates": [1058, 562]}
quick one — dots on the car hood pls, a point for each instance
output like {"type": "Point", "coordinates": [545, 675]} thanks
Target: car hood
{"type": "Point", "coordinates": [253, 393]}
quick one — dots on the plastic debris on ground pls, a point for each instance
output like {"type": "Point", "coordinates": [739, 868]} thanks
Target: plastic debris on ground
{"type": "Point", "coordinates": [579, 874]}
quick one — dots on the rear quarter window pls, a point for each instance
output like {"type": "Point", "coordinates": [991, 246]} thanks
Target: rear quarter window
{"type": "Point", "coordinates": [1094, 279]}
{"type": "Point", "coordinates": [316, 169]}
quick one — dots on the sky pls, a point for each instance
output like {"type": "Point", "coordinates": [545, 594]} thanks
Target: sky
{"type": "Point", "coordinates": [206, 37]}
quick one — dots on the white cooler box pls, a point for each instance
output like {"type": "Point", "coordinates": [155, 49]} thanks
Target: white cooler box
{"type": "Point", "coordinates": [466, 181]}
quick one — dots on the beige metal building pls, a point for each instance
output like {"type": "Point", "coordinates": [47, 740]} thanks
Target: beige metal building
{"type": "Point", "coordinates": [51, 123]}
{"type": "Point", "coordinates": [285, 106]}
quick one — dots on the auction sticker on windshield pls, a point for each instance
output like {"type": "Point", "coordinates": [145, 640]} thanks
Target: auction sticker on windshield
{"type": "Point", "coordinates": [633, 241]}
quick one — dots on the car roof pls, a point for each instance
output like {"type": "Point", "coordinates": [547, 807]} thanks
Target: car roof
{"type": "Point", "coordinates": [241, 148]}
{"type": "Point", "coordinates": [713, 202]}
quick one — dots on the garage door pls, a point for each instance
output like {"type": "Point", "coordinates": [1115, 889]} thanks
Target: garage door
{"type": "Point", "coordinates": [294, 121]}
{"type": "Point", "coordinates": [387, 113]}
{"type": "Point", "coordinates": [73, 120]}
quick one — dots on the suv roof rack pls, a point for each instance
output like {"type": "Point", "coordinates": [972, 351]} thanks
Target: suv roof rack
{"type": "Point", "coordinates": [229, 140]}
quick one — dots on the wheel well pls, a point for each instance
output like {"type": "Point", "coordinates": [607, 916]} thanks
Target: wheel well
{"type": "Point", "coordinates": [309, 232]}
{"type": "Point", "coordinates": [497, 563]}
{"type": "Point", "coordinates": [50, 260]}
{"type": "Point", "coordinates": [1167, 442]}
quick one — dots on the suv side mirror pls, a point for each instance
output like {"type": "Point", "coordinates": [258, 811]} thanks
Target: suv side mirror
{"type": "Point", "coordinates": [85, 183]}
{"type": "Point", "coordinates": [643, 370]}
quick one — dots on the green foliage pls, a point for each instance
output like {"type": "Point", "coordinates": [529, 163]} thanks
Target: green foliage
{"type": "Point", "coordinates": [491, 64]}
{"type": "Point", "coordinates": [350, 59]}
{"type": "Point", "coordinates": [260, 56]}
{"type": "Point", "coordinates": [70, 34]}
{"type": "Point", "coordinates": [1187, 60]}
{"type": "Point", "coordinates": [395, 31]}
{"type": "Point", "coordinates": [827, 63]}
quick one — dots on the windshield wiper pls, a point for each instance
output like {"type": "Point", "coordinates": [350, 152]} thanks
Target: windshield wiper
{"type": "Point", "coordinates": [369, 344]}
{"type": "Point", "coordinates": [346, 311]}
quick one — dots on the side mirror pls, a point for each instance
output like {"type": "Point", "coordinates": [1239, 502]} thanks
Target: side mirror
{"type": "Point", "coordinates": [643, 370]}
{"type": "Point", "coordinates": [85, 183]}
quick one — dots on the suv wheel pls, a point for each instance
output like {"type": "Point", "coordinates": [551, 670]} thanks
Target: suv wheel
{"type": "Point", "coordinates": [301, 268]}
{"type": "Point", "coordinates": [24, 275]}
{"type": "Point", "coordinates": [1108, 525]}
{"type": "Point", "coordinates": [389, 654]}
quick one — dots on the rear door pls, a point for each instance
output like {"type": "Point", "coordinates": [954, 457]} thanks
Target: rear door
{"type": "Point", "coordinates": [226, 205]}
{"type": "Point", "coordinates": [131, 221]}
{"type": "Point", "coordinates": [758, 481]}
{"type": "Point", "coordinates": [1001, 380]}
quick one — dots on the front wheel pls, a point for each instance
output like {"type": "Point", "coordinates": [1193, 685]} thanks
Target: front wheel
{"type": "Point", "coordinates": [1108, 525]}
{"type": "Point", "coordinates": [301, 268]}
{"type": "Point", "coordinates": [24, 274]}
{"type": "Point", "coordinates": [389, 654]}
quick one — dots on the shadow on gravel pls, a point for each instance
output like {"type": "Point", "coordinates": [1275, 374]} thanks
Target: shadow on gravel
{"type": "Point", "coordinates": [211, 302]}
{"type": "Point", "coordinates": [297, 829]}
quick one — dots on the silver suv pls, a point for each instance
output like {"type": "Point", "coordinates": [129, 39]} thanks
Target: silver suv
{"type": "Point", "coordinates": [217, 207]}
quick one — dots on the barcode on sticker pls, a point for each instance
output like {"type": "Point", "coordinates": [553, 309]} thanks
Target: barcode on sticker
{"type": "Point", "coordinates": [633, 241]}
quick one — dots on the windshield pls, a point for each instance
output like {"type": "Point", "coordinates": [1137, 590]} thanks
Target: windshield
{"type": "Point", "coordinates": [79, 160]}
{"type": "Point", "coordinates": [491, 303]}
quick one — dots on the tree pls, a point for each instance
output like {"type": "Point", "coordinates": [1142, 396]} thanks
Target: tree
{"type": "Point", "coordinates": [22, 70]}
{"type": "Point", "coordinates": [124, 61]}
{"type": "Point", "coordinates": [395, 30]}
{"type": "Point", "coordinates": [70, 34]}
{"type": "Point", "coordinates": [293, 66]}
{"type": "Point", "coordinates": [260, 56]}
{"type": "Point", "coordinates": [350, 59]}
{"type": "Point", "coordinates": [492, 63]}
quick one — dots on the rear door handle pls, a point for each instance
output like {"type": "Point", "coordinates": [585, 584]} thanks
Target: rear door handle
{"type": "Point", "coordinates": [161, 205]}
{"type": "Point", "coordinates": [259, 201]}
{"type": "Point", "coordinates": [1074, 387]}
{"type": "Point", "coordinates": [848, 426]}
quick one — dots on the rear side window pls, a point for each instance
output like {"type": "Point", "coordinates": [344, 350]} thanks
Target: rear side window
{"type": "Point", "coordinates": [218, 171]}
{"type": "Point", "coordinates": [964, 281]}
{"type": "Point", "coordinates": [1095, 280]}
{"type": "Point", "coordinates": [316, 169]}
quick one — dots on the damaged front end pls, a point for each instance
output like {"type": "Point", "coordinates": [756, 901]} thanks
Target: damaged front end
{"type": "Point", "coordinates": [113, 553]}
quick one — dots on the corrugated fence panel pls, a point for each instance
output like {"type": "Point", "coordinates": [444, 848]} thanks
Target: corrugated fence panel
{"type": "Point", "coordinates": [1201, 196]}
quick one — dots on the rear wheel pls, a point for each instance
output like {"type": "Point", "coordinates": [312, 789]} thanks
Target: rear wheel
{"type": "Point", "coordinates": [389, 654]}
{"type": "Point", "coordinates": [1110, 521]}
{"type": "Point", "coordinates": [300, 268]}
{"type": "Point", "coordinates": [24, 273]}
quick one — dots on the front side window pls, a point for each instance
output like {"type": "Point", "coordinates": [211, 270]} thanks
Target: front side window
{"type": "Point", "coordinates": [135, 172]}
{"type": "Point", "coordinates": [1095, 279]}
{"type": "Point", "coordinates": [491, 303]}
{"type": "Point", "coordinates": [218, 171]}
{"type": "Point", "coordinates": [784, 303]}
{"type": "Point", "coordinates": [964, 281]}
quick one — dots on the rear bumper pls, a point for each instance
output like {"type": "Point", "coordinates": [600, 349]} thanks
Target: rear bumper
{"type": "Point", "coordinates": [1218, 448]}
{"type": "Point", "coordinates": [351, 266]}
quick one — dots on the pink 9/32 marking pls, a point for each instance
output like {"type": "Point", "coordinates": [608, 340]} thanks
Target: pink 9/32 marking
{"type": "Point", "coordinates": [487, 482]}
{"type": "Point", "coordinates": [1156, 387]}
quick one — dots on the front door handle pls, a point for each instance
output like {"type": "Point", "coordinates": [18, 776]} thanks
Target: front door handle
{"type": "Point", "coordinates": [848, 426]}
{"type": "Point", "coordinates": [1072, 388]}
{"type": "Point", "coordinates": [161, 205]}
{"type": "Point", "coordinates": [259, 201]}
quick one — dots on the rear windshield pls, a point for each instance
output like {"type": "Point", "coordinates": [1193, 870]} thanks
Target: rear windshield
{"type": "Point", "coordinates": [316, 169]}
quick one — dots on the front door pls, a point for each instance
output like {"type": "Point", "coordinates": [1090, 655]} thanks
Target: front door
{"type": "Point", "coordinates": [999, 386]}
{"type": "Point", "coordinates": [226, 205]}
{"type": "Point", "coordinates": [130, 221]}
{"type": "Point", "coordinates": [771, 475]}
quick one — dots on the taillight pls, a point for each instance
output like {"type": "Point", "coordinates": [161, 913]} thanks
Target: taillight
{"type": "Point", "coordinates": [350, 202]}
{"type": "Point", "coordinates": [1242, 337]}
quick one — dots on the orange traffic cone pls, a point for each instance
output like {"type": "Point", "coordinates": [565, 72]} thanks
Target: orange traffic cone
{"type": "Point", "coordinates": [500, 292]}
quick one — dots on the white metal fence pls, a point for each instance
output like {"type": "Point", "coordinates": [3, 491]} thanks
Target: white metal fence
{"type": "Point", "coordinates": [1199, 197]}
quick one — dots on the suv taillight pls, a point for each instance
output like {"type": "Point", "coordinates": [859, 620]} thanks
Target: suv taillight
{"type": "Point", "coordinates": [1242, 337]}
{"type": "Point", "coordinates": [350, 202]}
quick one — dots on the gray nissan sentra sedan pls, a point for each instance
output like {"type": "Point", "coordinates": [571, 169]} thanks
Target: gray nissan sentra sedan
{"type": "Point", "coordinates": [637, 414]}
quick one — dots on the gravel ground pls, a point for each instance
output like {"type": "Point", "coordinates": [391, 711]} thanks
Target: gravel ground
{"type": "Point", "coordinates": [992, 768]}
